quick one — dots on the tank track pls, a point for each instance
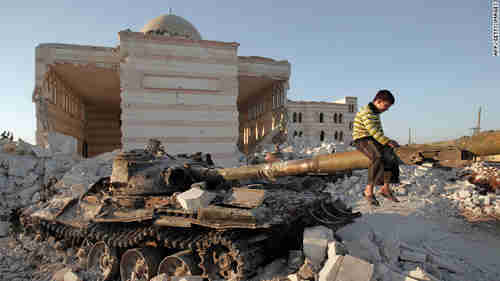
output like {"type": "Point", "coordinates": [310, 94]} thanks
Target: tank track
{"type": "Point", "coordinates": [245, 256]}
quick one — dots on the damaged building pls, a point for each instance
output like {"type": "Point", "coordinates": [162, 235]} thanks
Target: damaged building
{"type": "Point", "coordinates": [164, 82]}
{"type": "Point", "coordinates": [323, 121]}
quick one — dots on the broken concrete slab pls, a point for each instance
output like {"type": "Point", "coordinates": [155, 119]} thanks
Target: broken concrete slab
{"type": "Point", "coordinates": [59, 275]}
{"type": "Point", "coordinates": [331, 268]}
{"type": "Point", "coordinates": [315, 243]}
{"type": "Point", "coordinates": [358, 238]}
{"type": "Point", "coordinates": [417, 274]}
{"type": "Point", "coordinates": [71, 276]}
{"type": "Point", "coordinates": [20, 166]}
{"type": "Point", "coordinates": [354, 269]}
{"type": "Point", "coordinates": [336, 248]}
{"type": "Point", "coordinates": [195, 198]}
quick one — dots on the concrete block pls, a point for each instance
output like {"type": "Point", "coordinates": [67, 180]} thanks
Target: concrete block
{"type": "Point", "coordinates": [293, 277]}
{"type": "Point", "coordinates": [331, 268]}
{"type": "Point", "coordinates": [464, 194]}
{"type": "Point", "coordinates": [195, 198]}
{"type": "Point", "coordinates": [315, 243]}
{"type": "Point", "coordinates": [21, 165]}
{"type": "Point", "coordinates": [71, 276]}
{"type": "Point", "coordinates": [417, 274]}
{"type": "Point", "coordinates": [354, 269]}
{"type": "Point", "coordinates": [336, 248]}
{"type": "Point", "coordinates": [59, 275]}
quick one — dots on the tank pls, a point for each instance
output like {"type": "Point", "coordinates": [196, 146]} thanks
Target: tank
{"type": "Point", "coordinates": [143, 221]}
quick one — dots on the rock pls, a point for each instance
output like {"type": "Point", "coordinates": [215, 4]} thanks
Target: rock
{"type": "Point", "coordinates": [20, 166]}
{"type": "Point", "coordinates": [315, 243]}
{"type": "Point", "coordinates": [195, 198]}
{"type": "Point", "coordinates": [71, 276]}
{"type": "Point", "coordinates": [61, 143]}
{"type": "Point", "coordinates": [161, 277]}
{"type": "Point", "coordinates": [486, 200]}
{"type": "Point", "coordinates": [295, 260]}
{"type": "Point", "coordinates": [354, 269]}
{"type": "Point", "coordinates": [9, 148]}
{"type": "Point", "coordinates": [35, 198]}
{"type": "Point", "coordinates": [4, 228]}
{"type": "Point", "coordinates": [41, 152]}
{"type": "Point", "coordinates": [293, 277]}
{"type": "Point", "coordinates": [307, 271]}
{"type": "Point", "coordinates": [331, 268]}
{"type": "Point", "coordinates": [336, 248]}
{"type": "Point", "coordinates": [27, 194]}
{"type": "Point", "coordinates": [417, 273]}
{"type": "Point", "coordinates": [408, 255]}
{"type": "Point", "coordinates": [23, 148]}
{"type": "Point", "coordinates": [59, 275]}
{"type": "Point", "coordinates": [358, 238]}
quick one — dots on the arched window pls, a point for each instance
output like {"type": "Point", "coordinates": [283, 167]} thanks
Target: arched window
{"type": "Point", "coordinates": [340, 118]}
{"type": "Point", "coordinates": [351, 125]}
{"type": "Point", "coordinates": [335, 118]}
{"type": "Point", "coordinates": [295, 117]}
{"type": "Point", "coordinates": [321, 117]}
{"type": "Point", "coordinates": [336, 135]}
{"type": "Point", "coordinates": [341, 136]}
{"type": "Point", "coordinates": [294, 133]}
{"type": "Point", "coordinates": [322, 136]}
{"type": "Point", "coordinates": [300, 134]}
{"type": "Point", "coordinates": [300, 117]}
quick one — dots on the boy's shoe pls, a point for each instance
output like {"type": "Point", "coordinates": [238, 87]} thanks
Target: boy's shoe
{"type": "Point", "coordinates": [388, 195]}
{"type": "Point", "coordinates": [371, 200]}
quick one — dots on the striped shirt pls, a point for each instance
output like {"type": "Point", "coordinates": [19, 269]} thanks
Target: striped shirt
{"type": "Point", "coordinates": [367, 123]}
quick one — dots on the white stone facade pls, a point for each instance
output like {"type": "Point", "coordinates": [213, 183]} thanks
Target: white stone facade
{"type": "Point", "coordinates": [315, 122]}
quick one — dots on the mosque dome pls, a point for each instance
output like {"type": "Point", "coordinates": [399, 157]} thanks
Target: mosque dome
{"type": "Point", "coordinates": [171, 25]}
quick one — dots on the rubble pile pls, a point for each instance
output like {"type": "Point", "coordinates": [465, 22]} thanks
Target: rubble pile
{"type": "Point", "coordinates": [485, 176]}
{"type": "Point", "coordinates": [393, 242]}
{"type": "Point", "coordinates": [480, 200]}
{"type": "Point", "coordinates": [24, 170]}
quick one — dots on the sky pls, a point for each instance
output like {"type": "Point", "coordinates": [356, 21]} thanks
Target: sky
{"type": "Point", "coordinates": [434, 56]}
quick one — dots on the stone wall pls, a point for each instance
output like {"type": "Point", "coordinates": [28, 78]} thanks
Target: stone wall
{"type": "Point", "coordinates": [182, 92]}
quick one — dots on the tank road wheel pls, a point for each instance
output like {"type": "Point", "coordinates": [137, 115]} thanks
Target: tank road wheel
{"type": "Point", "coordinates": [103, 260]}
{"type": "Point", "coordinates": [183, 263]}
{"type": "Point", "coordinates": [140, 264]}
{"type": "Point", "coordinates": [218, 262]}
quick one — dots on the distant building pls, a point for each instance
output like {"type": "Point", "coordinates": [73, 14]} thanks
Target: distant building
{"type": "Point", "coordinates": [322, 121]}
{"type": "Point", "coordinates": [164, 82]}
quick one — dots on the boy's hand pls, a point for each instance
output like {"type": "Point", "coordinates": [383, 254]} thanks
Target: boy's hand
{"type": "Point", "coordinates": [393, 144]}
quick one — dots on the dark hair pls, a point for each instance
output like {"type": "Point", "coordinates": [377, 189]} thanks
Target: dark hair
{"type": "Point", "coordinates": [385, 95]}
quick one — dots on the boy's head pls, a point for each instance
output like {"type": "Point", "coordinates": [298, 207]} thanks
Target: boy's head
{"type": "Point", "coordinates": [383, 100]}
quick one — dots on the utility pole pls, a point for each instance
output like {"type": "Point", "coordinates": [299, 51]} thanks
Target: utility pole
{"type": "Point", "coordinates": [476, 130]}
{"type": "Point", "coordinates": [479, 121]}
{"type": "Point", "coordinates": [409, 135]}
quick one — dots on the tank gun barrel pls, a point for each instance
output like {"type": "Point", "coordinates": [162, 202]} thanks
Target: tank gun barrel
{"type": "Point", "coordinates": [465, 148]}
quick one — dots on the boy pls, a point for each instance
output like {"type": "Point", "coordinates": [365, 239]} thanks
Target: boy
{"type": "Point", "coordinates": [368, 138]}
